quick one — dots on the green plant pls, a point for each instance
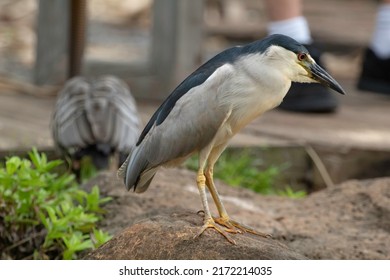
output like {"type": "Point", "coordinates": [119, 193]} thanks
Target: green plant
{"type": "Point", "coordinates": [244, 170]}
{"type": "Point", "coordinates": [289, 192]}
{"type": "Point", "coordinates": [44, 215]}
{"type": "Point", "coordinates": [87, 169]}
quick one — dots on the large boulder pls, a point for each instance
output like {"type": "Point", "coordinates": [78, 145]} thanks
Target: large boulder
{"type": "Point", "coordinates": [350, 221]}
{"type": "Point", "coordinates": [171, 236]}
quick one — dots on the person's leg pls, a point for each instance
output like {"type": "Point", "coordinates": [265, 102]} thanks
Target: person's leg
{"type": "Point", "coordinates": [286, 17]}
{"type": "Point", "coordinates": [380, 42]}
{"type": "Point", "coordinates": [375, 75]}
{"type": "Point", "coordinates": [283, 9]}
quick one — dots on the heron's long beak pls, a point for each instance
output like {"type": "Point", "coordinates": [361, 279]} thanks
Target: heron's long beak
{"type": "Point", "coordinates": [321, 76]}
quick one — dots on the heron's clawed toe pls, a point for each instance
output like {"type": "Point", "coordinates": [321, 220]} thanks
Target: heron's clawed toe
{"type": "Point", "coordinates": [227, 223]}
{"type": "Point", "coordinates": [240, 228]}
{"type": "Point", "coordinates": [209, 223]}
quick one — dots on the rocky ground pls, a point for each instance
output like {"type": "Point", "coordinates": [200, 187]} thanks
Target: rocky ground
{"type": "Point", "coordinates": [350, 221]}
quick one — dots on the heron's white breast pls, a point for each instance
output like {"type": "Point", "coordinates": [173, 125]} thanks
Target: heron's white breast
{"type": "Point", "coordinates": [256, 87]}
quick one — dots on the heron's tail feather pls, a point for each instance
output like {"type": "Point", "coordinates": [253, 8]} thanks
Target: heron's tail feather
{"type": "Point", "coordinates": [144, 180]}
{"type": "Point", "coordinates": [122, 158]}
{"type": "Point", "coordinates": [136, 172]}
{"type": "Point", "coordinates": [121, 173]}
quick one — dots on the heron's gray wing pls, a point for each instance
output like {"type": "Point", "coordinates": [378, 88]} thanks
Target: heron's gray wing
{"type": "Point", "coordinates": [190, 125]}
{"type": "Point", "coordinates": [198, 77]}
{"type": "Point", "coordinates": [70, 126]}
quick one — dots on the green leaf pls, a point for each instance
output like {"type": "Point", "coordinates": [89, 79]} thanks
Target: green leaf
{"type": "Point", "coordinates": [68, 254]}
{"type": "Point", "coordinates": [12, 165]}
{"type": "Point", "coordinates": [35, 158]}
{"type": "Point", "coordinates": [44, 220]}
{"type": "Point", "coordinates": [289, 192]}
{"type": "Point", "coordinates": [76, 242]}
{"type": "Point", "coordinates": [100, 237]}
{"type": "Point", "coordinates": [52, 164]}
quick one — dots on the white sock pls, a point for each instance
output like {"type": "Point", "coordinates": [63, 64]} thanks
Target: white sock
{"type": "Point", "coordinates": [380, 42]}
{"type": "Point", "coordinates": [297, 28]}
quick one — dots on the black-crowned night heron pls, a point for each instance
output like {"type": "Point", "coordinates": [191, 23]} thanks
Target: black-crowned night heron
{"type": "Point", "coordinates": [211, 105]}
{"type": "Point", "coordinates": [95, 117]}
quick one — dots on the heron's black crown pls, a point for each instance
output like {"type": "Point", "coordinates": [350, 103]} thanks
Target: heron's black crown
{"type": "Point", "coordinates": [283, 41]}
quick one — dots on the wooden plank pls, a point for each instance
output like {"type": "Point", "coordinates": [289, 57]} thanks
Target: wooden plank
{"type": "Point", "coordinates": [78, 26]}
{"type": "Point", "coordinates": [52, 42]}
{"type": "Point", "coordinates": [189, 36]}
{"type": "Point", "coordinates": [163, 43]}
{"type": "Point", "coordinates": [176, 41]}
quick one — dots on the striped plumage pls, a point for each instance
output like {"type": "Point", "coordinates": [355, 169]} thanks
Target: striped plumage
{"type": "Point", "coordinates": [95, 117]}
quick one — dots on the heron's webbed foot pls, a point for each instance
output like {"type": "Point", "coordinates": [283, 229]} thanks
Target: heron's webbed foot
{"type": "Point", "coordinates": [209, 223]}
{"type": "Point", "coordinates": [238, 227]}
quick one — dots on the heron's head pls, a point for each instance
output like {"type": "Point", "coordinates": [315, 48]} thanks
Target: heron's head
{"type": "Point", "coordinates": [294, 61]}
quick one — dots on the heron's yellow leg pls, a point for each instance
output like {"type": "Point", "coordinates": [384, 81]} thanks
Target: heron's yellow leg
{"type": "Point", "coordinates": [224, 219]}
{"type": "Point", "coordinates": [208, 219]}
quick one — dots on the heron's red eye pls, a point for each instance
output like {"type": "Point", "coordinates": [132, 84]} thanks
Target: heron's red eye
{"type": "Point", "coordinates": [301, 56]}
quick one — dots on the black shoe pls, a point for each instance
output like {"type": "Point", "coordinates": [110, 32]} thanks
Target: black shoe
{"type": "Point", "coordinates": [310, 98]}
{"type": "Point", "coordinates": [375, 74]}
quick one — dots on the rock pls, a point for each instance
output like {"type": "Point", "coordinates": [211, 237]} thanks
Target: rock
{"type": "Point", "coordinates": [350, 221]}
{"type": "Point", "coordinates": [171, 236]}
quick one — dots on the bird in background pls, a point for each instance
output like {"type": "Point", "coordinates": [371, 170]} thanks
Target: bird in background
{"type": "Point", "coordinates": [95, 117]}
{"type": "Point", "coordinates": [210, 106]}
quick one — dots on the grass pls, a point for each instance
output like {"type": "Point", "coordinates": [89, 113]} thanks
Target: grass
{"type": "Point", "coordinates": [246, 171]}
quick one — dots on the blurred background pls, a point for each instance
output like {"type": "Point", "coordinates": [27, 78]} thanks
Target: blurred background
{"type": "Point", "coordinates": [153, 45]}
{"type": "Point", "coordinates": [121, 33]}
